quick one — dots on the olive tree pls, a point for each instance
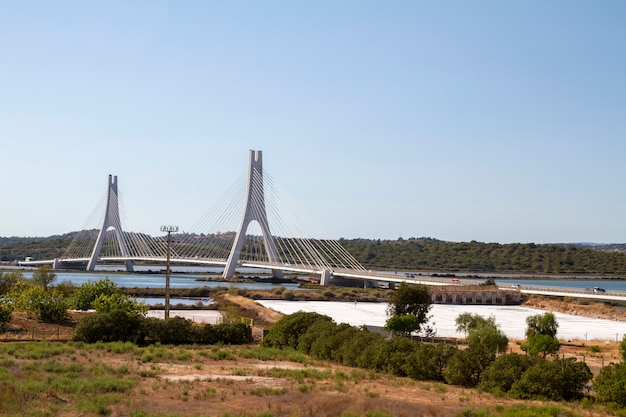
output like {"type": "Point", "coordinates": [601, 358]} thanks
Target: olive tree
{"type": "Point", "coordinates": [542, 324]}
{"type": "Point", "coordinates": [408, 309]}
{"type": "Point", "coordinates": [541, 335]}
{"type": "Point", "coordinates": [484, 339]}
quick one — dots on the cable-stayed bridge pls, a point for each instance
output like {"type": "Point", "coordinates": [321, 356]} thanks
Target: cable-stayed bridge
{"type": "Point", "coordinates": [247, 228]}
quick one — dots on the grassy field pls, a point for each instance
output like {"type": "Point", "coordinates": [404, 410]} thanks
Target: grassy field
{"type": "Point", "coordinates": [122, 379]}
{"type": "Point", "coordinates": [64, 378]}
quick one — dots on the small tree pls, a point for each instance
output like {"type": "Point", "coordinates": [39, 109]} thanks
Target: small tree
{"type": "Point", "coordinates": [545, 324]}
{"type": "Point", "coordinates": [84, 296]}
{"type": "Point", "coordinates": [541, 335]}
{"type": "Point", "coordinates": [429, 361]}
{"type": "Point", "coordinates": [44, 276]}
{"type": "Point", "coordinates": [610, 384]}
{"type": "Point", "coordinates": [402, 325]}
{"type": "Point", "coordinates": [540, 343]}
{"type": "Point", "coordinates": [485, 340]}
{"type": "Point", "coordinates": [287, 331]}
{"type": "Point", "coordinates": [409, 300]}
{"type": "Point", "coordinates": [6, 313]}
{"type": "Point", "coordinates": [502, 373]}
{"type": "Point", "coordinates": [37, 300]}
{"type": "Point", "coordinates": [119, 301]}
{"type": "Point", "coordinates": [468, 321]}
{"type": "Point", "coordinates": [558, 379]}
{"type": "Point", "coordinates": [8, 280]}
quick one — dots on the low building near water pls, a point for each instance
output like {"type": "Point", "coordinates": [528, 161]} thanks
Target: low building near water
{"type": "Point", "coordinates": [470, 294]}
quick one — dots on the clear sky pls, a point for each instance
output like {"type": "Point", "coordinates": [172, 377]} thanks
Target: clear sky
{"type": "Point", "coordinates": [495, 121]}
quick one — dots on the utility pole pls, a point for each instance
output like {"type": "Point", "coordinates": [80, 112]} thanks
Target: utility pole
{"type": "Point", "coordinates": [169, 230]}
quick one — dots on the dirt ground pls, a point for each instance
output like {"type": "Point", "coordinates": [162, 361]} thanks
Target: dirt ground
{"type": "Point", "coordinates": [210, 387]}
{"type": "Point", "coordinates": [206, 387]}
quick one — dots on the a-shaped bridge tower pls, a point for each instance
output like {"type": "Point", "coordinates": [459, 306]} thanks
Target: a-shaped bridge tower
{"type": "Point", "coordinates": [254, 210]}
{"type": "Point", "coordinates": [111, 220]}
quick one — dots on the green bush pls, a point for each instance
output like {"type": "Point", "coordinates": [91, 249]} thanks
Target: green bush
{"type": "Point", "coordinates": [558, 379]}
{"type": "Point", "coordinates": [6, 313]}
{"type": "Point", "coordinates": [610, 384]}
{"type": "Point", "coordinates": [359, 349]}
{"type": "Point", "coordinates": [172, 331]}
{"type": "Point", "coordinates": [501, 374]}
{"type": "Point", "coordinates": [428, 362]}
{"type": "Point", "coordinates": [287, 331]}
{"type": "Point", "coordinates": [232, 333]}
{"type": "Point", "coordinates": [114, 326]}
{"type": "Point", "coordinates": [85, 295]}
{"type": "Point", "coordinates": [391, 355]}
{"type": "Point", "coordinates": [36, 300]}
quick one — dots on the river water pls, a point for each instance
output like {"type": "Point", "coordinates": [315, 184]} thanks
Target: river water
{"type": "Point", "coordinates": [191, 277]}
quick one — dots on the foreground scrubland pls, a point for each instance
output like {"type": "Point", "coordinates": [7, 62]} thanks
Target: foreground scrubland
{"type": "Point", "coordinates": [122, 379]}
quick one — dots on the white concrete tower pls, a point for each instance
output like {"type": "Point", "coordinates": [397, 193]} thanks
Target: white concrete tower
{"type": "Point", "coordinates": [111, 219]}
{"type": "Point", "coordinates": [254, 209]}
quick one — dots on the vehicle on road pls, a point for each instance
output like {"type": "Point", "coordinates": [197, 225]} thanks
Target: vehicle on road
{"type": "Point", "coordinates": [598, 290]}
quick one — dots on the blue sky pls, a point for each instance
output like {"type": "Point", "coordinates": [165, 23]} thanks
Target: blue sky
{"type": "Point", "coordinates": [487, 120]}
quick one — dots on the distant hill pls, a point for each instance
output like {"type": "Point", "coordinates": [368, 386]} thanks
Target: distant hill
{"type": "Point", "coordinates": [432, 254]}
{"type": "Point", "coordinates": [418, 254]}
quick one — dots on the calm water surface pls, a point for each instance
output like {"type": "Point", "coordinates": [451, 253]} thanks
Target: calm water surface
{"type": "Point", "coordinates": [189, 277]}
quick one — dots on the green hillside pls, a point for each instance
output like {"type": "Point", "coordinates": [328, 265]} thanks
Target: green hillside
{"type": "Point", "coordinates": [416, 254]}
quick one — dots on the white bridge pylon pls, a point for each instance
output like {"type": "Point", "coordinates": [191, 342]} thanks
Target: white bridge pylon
{"type": "Point", "coordinates": [227, 237]}
{"type": "Point", "coordinates": [111, 219]}
{"type": "Point", "coordinates": [254, 210]}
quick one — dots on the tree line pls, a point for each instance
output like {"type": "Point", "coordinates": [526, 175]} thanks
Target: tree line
{"type": "Point", "coordinates": [540, 374]}
{"type": "Point", "coordinates": [416, 254]}
{"type": "Point", "coordinates": [435, 255]}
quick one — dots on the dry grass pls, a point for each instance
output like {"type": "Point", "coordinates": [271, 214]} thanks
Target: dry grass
{"type": "Point", "coordinates": [191, 381]}
{"type": "Point", "coordinates": [578, 307]}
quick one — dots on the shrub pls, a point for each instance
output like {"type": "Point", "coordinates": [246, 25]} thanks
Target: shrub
{"type": "Point", "coordinates": [428, 362]}
{"type": "Point", "coordinates": [391, 355]}
{"type": "Point", "coordinates": [39, 301]}
{"type": "Point", "coordinates": [85, 295]}
{"type": "Point", "coordinates": [359, 349]}
{"type": "Point", "coordinates": [172, 331]}
{"type": "Point", "coordinates": [232, 333]}
{"type": "Point", "coordinates": [558, 379]}
{"type": "Point", "coordinates": [540, 343]}
{"type": "Point", "coordinates": [117, 325]}
{"type": "Point", "coordinates": [501, 374]}
{"type": "Point", "coordinates": [610, 384]}
{"type": "Point", "coordinates": [287, 331]}
{"type": "Point", "coordinates": [6, 312]}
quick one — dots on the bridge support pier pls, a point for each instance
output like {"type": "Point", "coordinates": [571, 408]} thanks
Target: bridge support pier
{"type": "Point", "coordinates": [325, 277]}
{"type": "Point", "coordinates": [254, 209]}
{"type": "Point", "coordinates": [111, 220]}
